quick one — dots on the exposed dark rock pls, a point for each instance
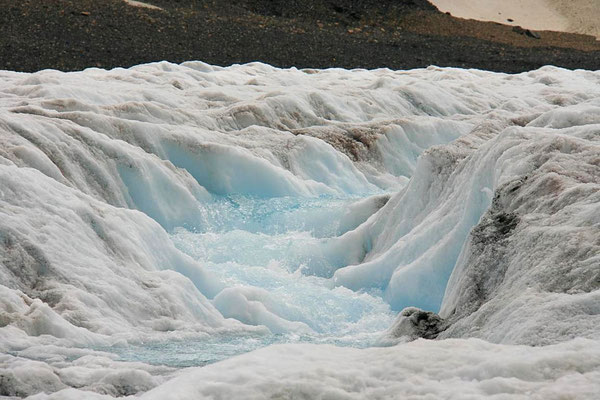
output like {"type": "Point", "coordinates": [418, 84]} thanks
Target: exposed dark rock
{"type": "Point", "coordinates": [9, 385]}
{"type": "Point", "coordinates": [526, 32]}
{"type": "Point", "coordinates": [413, 323]}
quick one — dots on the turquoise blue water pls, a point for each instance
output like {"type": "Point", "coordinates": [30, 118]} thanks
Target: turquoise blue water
{"type": "Point", "coordinates": [281, 248]}
{"type": "Point", "coordinates": [320, 216]}
{"type": "Point", "coordinates": [200, 352]}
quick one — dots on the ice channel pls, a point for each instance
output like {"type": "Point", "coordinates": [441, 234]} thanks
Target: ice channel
{"type": "Point", "coordinates": [257, 206]}
{"type": "Point", "coordinates": [273, 256]}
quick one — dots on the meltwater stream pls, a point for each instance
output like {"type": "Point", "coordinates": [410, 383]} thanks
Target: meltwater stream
{"type": "Point", "coordinates": [274, 258]}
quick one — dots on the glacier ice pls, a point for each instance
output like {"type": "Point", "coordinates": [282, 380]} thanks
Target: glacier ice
{"type": "Point", "coordinates": [471, 369]}
{"type": "Point", "coordinates": [167, 216]}
{"type": "Point", "coordinates": [544, 224]}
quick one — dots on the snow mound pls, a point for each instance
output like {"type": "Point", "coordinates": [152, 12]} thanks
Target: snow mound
{"type": "Point", "coordinates": [470, 369]}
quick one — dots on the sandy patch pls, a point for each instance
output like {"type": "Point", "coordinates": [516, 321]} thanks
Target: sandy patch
{"type": "Point", "coordinates": [575, 16]}
{"type": "Point", "coordinates": [583, 15]}
{"type": "Point", "coordinates": [141, 4]}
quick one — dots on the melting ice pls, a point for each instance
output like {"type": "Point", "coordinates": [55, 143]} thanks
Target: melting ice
{"type": "Point", "coordinates": [171, 216]}
{"type": "Point", "coordinates": [271, 254]}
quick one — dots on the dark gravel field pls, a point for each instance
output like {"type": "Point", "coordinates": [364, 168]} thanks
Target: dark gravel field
{"type": "Point", "coordinates": [401, 34]}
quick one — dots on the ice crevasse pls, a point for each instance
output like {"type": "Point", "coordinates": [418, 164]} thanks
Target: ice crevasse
{"type": "Point", "coordinates": [133, 202]}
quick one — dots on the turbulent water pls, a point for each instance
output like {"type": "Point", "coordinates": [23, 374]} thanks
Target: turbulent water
{"type": "Point", "coordinates": [269, 254]}
{"type": "Point", "coordinates": [267, 226]}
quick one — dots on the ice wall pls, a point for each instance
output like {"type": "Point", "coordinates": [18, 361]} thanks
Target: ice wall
{"type": "Point", "coordinates": [412, 245]}
{"type": "Point", "coordinates": [529, 272]}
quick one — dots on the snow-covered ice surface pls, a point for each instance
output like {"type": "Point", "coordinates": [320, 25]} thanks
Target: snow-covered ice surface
{"type": "Point", "coordinates": [170, 216]}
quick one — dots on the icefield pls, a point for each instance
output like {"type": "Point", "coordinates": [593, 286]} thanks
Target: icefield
{"type": "Point", "coordinates": [191, 231]}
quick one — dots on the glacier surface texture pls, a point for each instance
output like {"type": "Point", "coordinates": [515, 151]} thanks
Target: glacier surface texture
{"type": "Point", "coordinates": [189, 231]}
